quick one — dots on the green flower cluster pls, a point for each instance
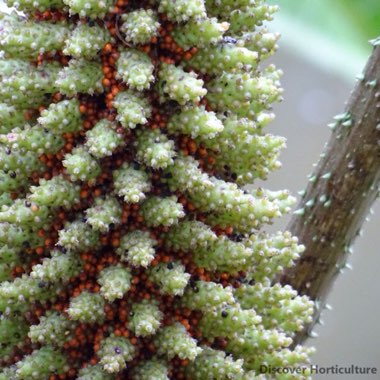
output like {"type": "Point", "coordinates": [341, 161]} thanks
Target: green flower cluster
{"type": "Point", "coordinates": [128, 246]}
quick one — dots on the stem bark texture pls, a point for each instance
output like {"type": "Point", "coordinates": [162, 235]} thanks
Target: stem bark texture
{"type": "Point", "coordinates": [340, 192]}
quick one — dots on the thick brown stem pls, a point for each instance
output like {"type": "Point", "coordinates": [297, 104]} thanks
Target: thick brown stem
{"type": "Point", "coordinates": [340, 192]}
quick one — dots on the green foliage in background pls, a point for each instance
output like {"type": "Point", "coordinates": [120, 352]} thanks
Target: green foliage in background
{"type": "Point", "coordinates": [330, 32]}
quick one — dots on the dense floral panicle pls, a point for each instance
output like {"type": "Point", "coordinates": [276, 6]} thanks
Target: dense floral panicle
{"type": "Point", "coordinates": [18, 237]}
{"type": "Point", "coordinates": [17, 295]}
{"type": "Point", "coordinates": [145, 318]}
{"type": "Point", "coordinates": [20, 162]}
{"type": "Point", "coordinates": [10, 183]}
{"type": "Point", "coordinates": [104, 213]}
{"type": "Point", "coordinates": [225, 255]}
{"type": "Point", "coordinates": [114, 282]}
{"type": "Point", "coordinates": [224, 7]}
{"type": "Point", "coordinates": [128, 247]}
{"type": "Point", "coordinates": [13, 330]}
{"type": "Point", "coordinates": [80, 76]}
{"type": "Point", "coordinates": [53, 329]}
{"type": "Point", "coordinates": [89, 8]}
{"type": "Point", "coordinates": [103, 139]}
{"type": "Point", "coordinates": [8, 261]}
{"type": "Point", "coordinates": [131, 184]}
{"type": "Point", "coordinates": [171, 278]}
{"type": "Point", "coordinates": [23, 84]}
{"type": "Point", "coordinates": [115, 353]}
{"type": "Point", "coordinates": [182, 10]}
{"type": "Point", "coordinates": [33, 139]}
{"type": "Point", "coordinates": [174, 341]}
{"type": "Point", "coordinates": [159, 211]}
{"type": "Point", "coordinates": [228, 204]}
{"type": "Point", "coordinates": [195, 121]}
{"type": "Point", "coordinates": [8, 373]}
{"type": "Point", "coordinates": [135, 69]}
{"type": "Point", "coordinates": [179, 85]}
{"type": "Point", "coordinates": [77, 236]}
{"type": "Point", "coordinates": [185, 174]}
{"type": "Point", "coordinates": [80, 165]}
{"type": "Point", "coordinates": [137, 248]}
{"type": "Point", "coordinates": [256, 209]}
{"type": "Point", "coordinates": [246, 152]}
{"type": "Point", "coordinates": [59, 267]}
{"type": "Point", "coordinates": [31, 6]}
{"type": "Point", "coordinates": [272, 254]}
{"type": "Point", "coordinates": [154, 149]}
{"type": "Point", "coordinates": [10, 117]}
{"type": "Point", "coordinates": [224, 57]}
{"type": "Point", "coordinates": [279, 306]}
{"type": "Point", "coordinates": [190, 234]}
{"type": "Point", "coordinates": [260, 342]}
{"type": "Point", "coordinates": [248, 94]}
{"type": "Point", "coordinates": [62, 117]}
{"type": "Point", "coordinates": [87, 307]}
{"type": "Point", "coordinates": [132, 109]}
{"type": "Point", "coordinates": [86, 41]}
{"type": "Point", "coordinates": [56, 192]}
{"type": "Point", "coordinates": [249, 17]}
{"type": "Point", "coordinates": [40, 363]}
{"type": "Point", "coordinates": [215, 363]}
{"type": "Point", "coordinates": [200, 33]}
{"type": "Point", "coordinates": [204, 295]}
{"type": "Point", "coordinates": [23, 38]}
{"type": "Point", "coordinates": [208, 250]}
{"type": "Point", "coordinates": [152, 369]}
{"type": "Point", "coordinates": [25, 214]}
{"type": "Point", "coordinates": [5, 199]}
{"type": "Point", "coordinates": [227, 321]}
{"type": "Point", "coordinates": [140, 26]}
{"type": "Point", "coordinates": [262, 42]}
{"type": "Point", "coordinates": [94, 372]}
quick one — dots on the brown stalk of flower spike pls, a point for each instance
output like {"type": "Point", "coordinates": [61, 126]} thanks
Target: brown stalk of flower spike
{"type": "Point", "coordinates": [340, 192]}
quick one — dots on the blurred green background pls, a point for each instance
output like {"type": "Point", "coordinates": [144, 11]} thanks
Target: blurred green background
{"type": "Point", "coordinates": [327, 31]}
{"type": "Point", "coordinates": [346, 19]}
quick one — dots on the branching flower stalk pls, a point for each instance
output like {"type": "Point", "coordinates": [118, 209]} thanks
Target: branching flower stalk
{"type": "Point", "coordinates": [130, 248]}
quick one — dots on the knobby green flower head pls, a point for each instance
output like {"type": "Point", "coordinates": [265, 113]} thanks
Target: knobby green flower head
{"type": "Point", "coordinates": [130, 245]}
